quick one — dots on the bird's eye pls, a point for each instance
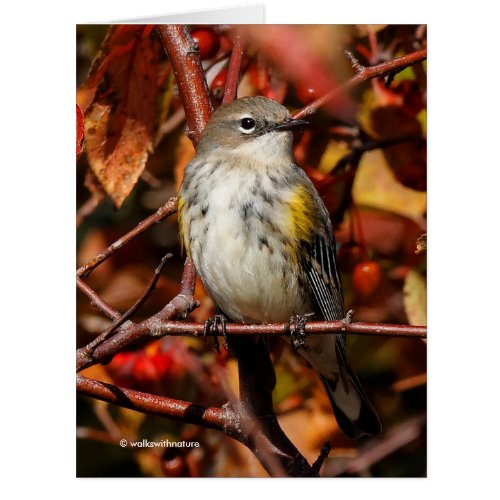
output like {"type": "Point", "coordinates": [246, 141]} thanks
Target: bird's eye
{"type": "Point", "coordinates": [247, 125]}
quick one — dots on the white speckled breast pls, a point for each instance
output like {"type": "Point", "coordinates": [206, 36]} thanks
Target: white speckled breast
{"type": "Point", "coordinates": [236, 234]}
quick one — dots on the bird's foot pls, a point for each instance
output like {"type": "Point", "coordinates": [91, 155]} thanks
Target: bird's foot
{"type": "Point", "coordinates": [348, 317]}
{"type": "Point", "coordinates": [296, 328]}
{"type": "Point", "coordinates": [212, 326]}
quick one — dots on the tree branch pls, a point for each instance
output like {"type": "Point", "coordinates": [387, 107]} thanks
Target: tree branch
{"type": "Point", "coordinates": [364, 74]}
{"type": "Point", "coordinates": [158, 326]}
{"type": "Point", "coordinates": [259, 424]}
{"type": "Point", "coordinates": [263, 437]}
{"type": "Point", "coordinates": [185, 329]}
{"type": "Point", "coordinates": [169, 208]}
{"type": "Point", "coordinates": [256, 425]}
{"type": "Point", "coordinates": [212, 418]}
{"type": "Point", "coordinates": [88, 350]}
{"type": "Point", "coordinates": [233, 70]}
{"type": "Point", "coordinates": [184, 57]}
{"type": "Point", "coordinates": [130, 333]}
{"type": "Point", "coordinates": [97, 301]}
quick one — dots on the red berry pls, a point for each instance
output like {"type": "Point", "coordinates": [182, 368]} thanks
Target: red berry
{"type": "Point", "coordinates": [307, 93]}
{"type": "Point", "coordinates": [366, 277]}
{"type": "Point", "coordinates": [218, 84]}
{"type": "Point", "coordinates": [175, 467]}
{"type": "Point", "coordinates": [207, 41]}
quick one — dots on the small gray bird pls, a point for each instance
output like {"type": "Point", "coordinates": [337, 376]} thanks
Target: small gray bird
{"type": "Point", "coordinates": [262, 242]}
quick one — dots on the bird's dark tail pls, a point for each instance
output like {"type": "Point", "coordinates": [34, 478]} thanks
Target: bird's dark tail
{"type": "Point", "coordinates": [352, 408]}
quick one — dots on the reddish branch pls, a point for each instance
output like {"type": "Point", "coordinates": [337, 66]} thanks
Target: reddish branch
{"type": "Point", "coordinates": [130, 333]}
{"type": "Point", "coordinates": [158, 326]}
{"type": "Point", "coordinates": [364, 74]}
{"type": "Point", "coordinates": [295, 54]}
{"type": "Point", "coordinates": [183, 54]}
{"type": "Point", "coordinates": [90, 348]}
{"type": "Point", "coordinates": [169, 208]}
{"type": "Point", "coordinates": [316, 327]}
{"type": "Point", "coordinates": [233, 70]}
{"type": "Point", "coordinates": [97, 301]}
{"type": "Point", "coordinates": [213, 418]}
{"type": "Point", "coordinates": [89, 206]}
{"type": "Point", "coordinates": [263, 436]}
{"type": "Point", "coordinates": [254, 423]}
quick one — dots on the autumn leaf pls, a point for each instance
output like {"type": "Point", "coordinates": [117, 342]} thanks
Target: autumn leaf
{"type": "Point", "coordinates": [376, 186]}
{"type": "Point", "coordinates": [390, 113]}
{"type": "Point", "coordinates": [415, 298]}
{"type": "Point", "coordinates": [120, 99]}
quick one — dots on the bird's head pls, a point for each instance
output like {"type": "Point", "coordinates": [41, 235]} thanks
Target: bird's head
{"type": "Point", "coordinates": [255, 127]}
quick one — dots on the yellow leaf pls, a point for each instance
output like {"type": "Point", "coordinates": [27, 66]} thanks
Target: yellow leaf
{"type": "Point", "coordinates": [333, 153]}
{"type": "Point", "coordinates": [415, 298]}
{"type": "Point", "coordinates": [375, 186]}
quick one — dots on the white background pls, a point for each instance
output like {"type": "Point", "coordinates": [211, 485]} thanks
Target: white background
{"type": "Point", "coordinates": [38, 246]}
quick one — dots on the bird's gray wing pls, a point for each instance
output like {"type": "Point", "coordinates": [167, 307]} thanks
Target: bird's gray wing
{"type": "Point", "coordinates": [320, 267]}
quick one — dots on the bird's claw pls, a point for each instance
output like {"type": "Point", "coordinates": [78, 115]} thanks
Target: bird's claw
{"type": "Point", "coordinates": [296, 328]}
{"type": "Point", "coordinates": [212, 325]}
{"type": "Point", "coordinates": [348, 317]}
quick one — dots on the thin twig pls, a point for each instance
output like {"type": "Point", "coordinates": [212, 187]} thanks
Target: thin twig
{"type": "Point", "coordinates": [364, 74]}
{"type": "Point", "coordinates": [130, 333]}
{"type": "Point", "coordinates": [358, 67]}
{"type": "Point", "coordinates": [89, 206]}
{"type": "Point", "coordinates": [88, 350]}
{"type": "Point", "coordinates": [377, 449]}
{"type": "Point", "coordinates": [170, 124]}
{"type": "Point", "coordinates": [152, 181]}
{"type": "Point", "coordinates": [169, 208]}
{"type": "Point", "coordinates": [408, 383]}
{"type": "Point", "coordinates": [233, 70]}
{"type": "Point", "coordinates": [95, 435]}
{"type": "Point", "coordinates": [97, 301]}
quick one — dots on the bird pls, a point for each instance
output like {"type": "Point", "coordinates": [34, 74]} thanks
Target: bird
{"type": "Point", "coordinates": [262, 243]}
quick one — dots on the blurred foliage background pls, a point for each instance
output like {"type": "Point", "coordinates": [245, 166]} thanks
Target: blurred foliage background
{"type": "Point", "coordinates": [366, 154]}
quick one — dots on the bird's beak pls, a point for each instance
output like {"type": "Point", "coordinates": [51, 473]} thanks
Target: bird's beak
{"type": "Point", "coordinates": [290, 124]}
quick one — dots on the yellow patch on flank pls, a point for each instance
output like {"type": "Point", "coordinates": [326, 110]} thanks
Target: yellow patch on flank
{"type": "Point", "coordinates": [183, 226]}
{"type": "Point", "coordinates": [301, 215]}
